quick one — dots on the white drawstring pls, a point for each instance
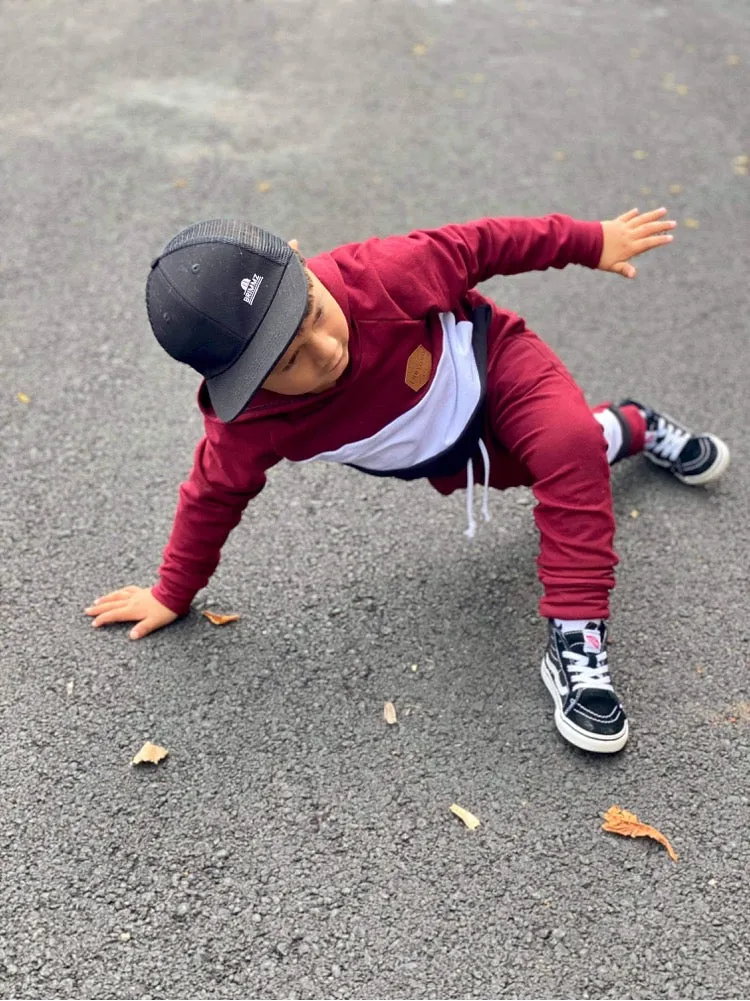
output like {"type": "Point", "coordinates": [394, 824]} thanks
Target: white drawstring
{"type": "Point", "coordinates": [472, 524]}
{"type": "Point", "coordinates": [486, 493]}
{"type": "Point", "coordinates": [472, 529]}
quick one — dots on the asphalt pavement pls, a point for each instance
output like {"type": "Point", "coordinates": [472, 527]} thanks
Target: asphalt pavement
{"type": "Point", "coordinates": [293, 844]}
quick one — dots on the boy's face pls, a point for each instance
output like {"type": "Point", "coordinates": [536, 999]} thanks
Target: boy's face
{"type": "Point", "coordinates": [319, 354]}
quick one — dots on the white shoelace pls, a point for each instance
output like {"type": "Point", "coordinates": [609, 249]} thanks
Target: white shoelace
{"type": "Point", "coordinates": [583, 675]}
{"type": "Point", "coordinates": [669, 440]}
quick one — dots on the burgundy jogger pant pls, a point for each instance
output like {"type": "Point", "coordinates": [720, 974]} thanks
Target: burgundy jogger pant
{"type": "Point", "coordinates": [541, 432]}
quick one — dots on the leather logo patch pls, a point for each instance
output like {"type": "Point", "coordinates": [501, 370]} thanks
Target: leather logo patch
{"type": "Point", "coordinates": [418, 368]}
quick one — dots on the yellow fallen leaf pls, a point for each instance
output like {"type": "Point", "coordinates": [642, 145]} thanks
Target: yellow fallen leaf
{"type": "Point", "coordinates": [667, 81]}
{"type": "Point", "coordinates": [389, 713]}
{"type": "Point", "coordinates": [220, 620]}
{"type": "Point", "coordinates": [739, 170]}
{"type": "Point", "coordinates": [732, 59]}
{"type": "Point", "coordinates": [477, 77]}
{"type": "Point", "coordinates": [645, 190]}
{"type": "Point", "coordinates": [619, 821]}
{"type": "Point", "coordinates": [635, 53]}
{"type": "Point", "coordinates": [741, 161]}
{"type": "Point", "coordinates": [150, 754]}
{"type": "Point", "coordinates": [634, 513]}
{"type": "Point", "coordinates": [690, 48]}
{"type": "Point", "coordinates": [691, 223]}
{"type": "Point", "coordinates": [264, 186]}
{"type": "Point", "coordinates": [640, 154]}
{"type": "Point", "coordinates": [675, 189]}
{"type": "Point", "coordinates": [682, 88]}
{"type": "Point", "coordinates": [24, 398]}
{"type": "Point", "coordinates": [181, 182]}
{"type": "Point", "coordinates": [419, 49]}
{"type": "Point", "coordinates": [459, 92]}
{"type": "Point", "coordinates": [468, 818]}
{"type": "Point", "coordinates": [560, 155]}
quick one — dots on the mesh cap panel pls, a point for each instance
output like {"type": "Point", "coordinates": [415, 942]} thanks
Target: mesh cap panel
{"type": "Point", "coordinates": [258, 240]}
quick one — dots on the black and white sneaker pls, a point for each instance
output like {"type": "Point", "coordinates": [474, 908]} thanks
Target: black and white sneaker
{"type": "Point", "coordinates": [693, 458]}
{"type": "Point", "coordinates": [574, 669]}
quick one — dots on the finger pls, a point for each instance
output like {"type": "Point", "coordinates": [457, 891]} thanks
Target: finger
{"type": "Point", "coordinates": [652, 215]}
{"type": "Point", "coordinates": [626, 269]}
{"type": "Point", "coordinates": [650, 242]}
{"type": "Point", "coordinates": [144, 628]}
{"type": "Point", "coordinates": [122, 613]}
{"type": "Point", "coordinates": [107, 605]}
{"type": "Point", "coordinates": [651, 228]}
{"type": "Point", "coordinates": [627, 216]}
{"type": "Point", "coordinates": [121, 592]}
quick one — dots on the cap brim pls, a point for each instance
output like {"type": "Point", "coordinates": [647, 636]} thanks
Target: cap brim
{"type": "Point", "coordinates": [231, 391]}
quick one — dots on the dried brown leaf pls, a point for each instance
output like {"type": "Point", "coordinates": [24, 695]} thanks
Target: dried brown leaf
{"type": "Point", "coordinates": [469, 819]}
{"type": "Point", "coordinates": [150, 754]}
{"type": "Point", "coordinates": [181, 182]}
{"type": "Point", "coordinates": [389, 713]}
{"type": "Point", "coordinates": [619, 821]}
{"type": "Point", "coordinates": [263, 186]}
{"type": "Point", "coordinates": [220, 620]}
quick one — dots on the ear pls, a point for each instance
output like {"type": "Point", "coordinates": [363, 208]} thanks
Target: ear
{"type": "Point", "coordinates": [294, 245]}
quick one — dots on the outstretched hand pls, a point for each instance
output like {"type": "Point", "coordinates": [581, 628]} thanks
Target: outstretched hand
{"type": "Point", "coordinates": [632, 234]}
{"type": "Point", "coordinates": [131, 604]}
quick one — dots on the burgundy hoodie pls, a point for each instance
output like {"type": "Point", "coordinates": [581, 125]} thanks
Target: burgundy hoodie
{"type": "Point", "coordinates": [392, 292]}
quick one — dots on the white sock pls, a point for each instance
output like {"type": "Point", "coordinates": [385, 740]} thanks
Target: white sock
{"type": "Point", "coordinates": [612, 432]}
{"type": "Point", "coordinates": [574, 625]}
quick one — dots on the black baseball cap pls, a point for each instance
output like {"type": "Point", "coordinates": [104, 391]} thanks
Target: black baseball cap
{"type": "Point", "coordinates": [227, 299]}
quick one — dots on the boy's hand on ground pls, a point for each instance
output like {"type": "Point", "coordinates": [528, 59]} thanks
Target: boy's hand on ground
{"type": "Point", "coordinates": [131, 604]}
{"type": "Point", "coordinates": [631, 234]}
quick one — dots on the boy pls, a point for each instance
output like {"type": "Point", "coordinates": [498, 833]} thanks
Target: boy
{"type": "Point", "coordinates": [382, 355]}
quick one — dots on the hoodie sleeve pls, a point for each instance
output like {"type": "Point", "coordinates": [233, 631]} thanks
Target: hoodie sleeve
{"type": "Point", "coordinates": [229, 470]}
{"type": "Point", "coordinates": [433, 269]}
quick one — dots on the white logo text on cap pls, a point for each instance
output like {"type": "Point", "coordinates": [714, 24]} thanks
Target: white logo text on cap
{"type": "Point", "coordinates": [250, 287]}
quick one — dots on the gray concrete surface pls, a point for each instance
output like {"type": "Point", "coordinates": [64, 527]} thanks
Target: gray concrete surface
{"type": "Point", "coordinates": [293, 846]}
